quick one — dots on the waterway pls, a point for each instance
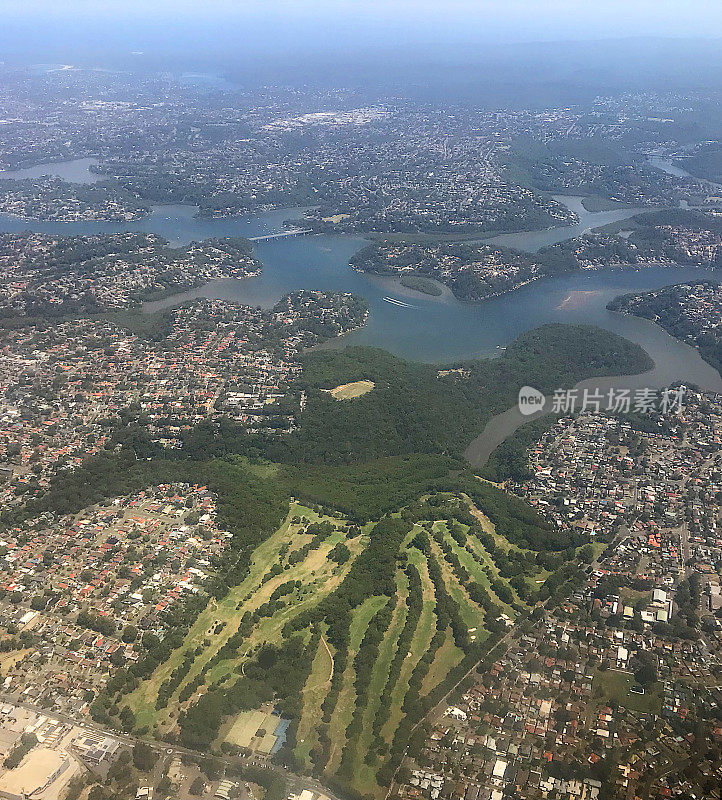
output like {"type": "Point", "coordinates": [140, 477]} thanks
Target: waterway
{"type": "Point", "coordinates": [421, 327]}
{"type": "Point", "coordinates": [533, 241]}
{"type": "Point", "coordinates": [667, 165]}
{"type": "Point", "coordinates": [76, 171]}
{"type": "Point", "coordinates": [177, 223]}
{"type": "Point", "coordinates": [673, 361]}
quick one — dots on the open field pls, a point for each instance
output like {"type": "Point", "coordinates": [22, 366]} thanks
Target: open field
{"type": "Point", "coordinates": [447, 657]}
{"type": "Point", "coordinates": [419, 644]}
{"type": "Point", "coordinates": [314, 692]}
{"type": "Point", "coordinates": [10, 659]}
{"type": "Point", "coordinates": [471, 613]}
{"type": "Point", "coordinates": [630, 596]}
{"type": "Point", "coordinates": [254, 730]}
{"type": "Point", "coordinates": [347, 696]}
{"type": "Point", "coordinates": [614, 685]}
{"type": "Point", "coordinates": [220, 620]}
{"type": "Point", "coordinates": [347, 391]}
{"type": "Point", "coordinates": [363, 773]}
{"type": "Point", "coordinates": [40, 767]}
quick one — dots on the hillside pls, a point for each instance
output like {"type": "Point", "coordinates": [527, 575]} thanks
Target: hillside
{"type": "Point", "coordinates": [367, 569]}
{"type": "Point", "coordinates": [352, 632]}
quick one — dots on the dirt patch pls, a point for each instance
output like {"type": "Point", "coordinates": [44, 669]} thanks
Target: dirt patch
{"type": "Point", "coordinates": [347, 391]}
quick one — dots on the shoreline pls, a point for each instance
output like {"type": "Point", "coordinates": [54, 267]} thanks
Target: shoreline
{"type": "Point", "coordinates": [501, 426]}
{"type": "Point", "coordinates": [580, 270]}
{"type": "Point", "coordinates": [324, 344]}
{"type": "Point", "coordinates": [77, 221]}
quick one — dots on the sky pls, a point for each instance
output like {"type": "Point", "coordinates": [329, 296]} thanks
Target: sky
{"type": "Point", "coordinates": [509, 20]}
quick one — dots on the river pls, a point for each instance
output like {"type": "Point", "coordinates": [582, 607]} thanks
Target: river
{"type": "Point", "coordinates": [176, 222]}
{"type": "Point", "coordinates": [421, 327]}
{"type": "Point", "coordinates": [532, 241]}
{"type": "Point", "coordinates": [673, 361]}
{"type": "Point", "coordinates": [668, 165]}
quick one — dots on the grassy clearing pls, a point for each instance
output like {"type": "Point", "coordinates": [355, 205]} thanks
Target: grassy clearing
{"type": "Point", "coordinates": [346, 699]}
{"type": "Point", "coordinates": [613, 685]}
{"type": "Point", "coordinates": [364, 774]}
{"type": "Point", "coordinates": [471, 613]}
{"type": "Point", "coordinates": [318, 575]}
{"type": "Point", "coordinates": [598, 548]}
{"type": "Point", "coordinates": [265, 470]}
{"type": "Point", "coordinates": [482, 559]}
{"type": "Point", "coordinates": [419, 644]}
{"type": "Point", "coordinates": [348, 391]}
{"type": "Point", "coordinates": [447, 657]}
{"type": "Point", "coordinates": [631, 596]}
{"type": "Point", "coordinates": [488, 526]}
{"type": "Point", "coordinates": [254, 730]}
{"type": "Point", "coordinates": [314, 693]}
{"type": "Point", "coordinates": [532, 581]}
{"type": "Point", "coordinates": [10, 659]}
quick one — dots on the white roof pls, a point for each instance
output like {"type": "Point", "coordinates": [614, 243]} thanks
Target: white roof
{"type": "Point", "coordinates": [499, 768]}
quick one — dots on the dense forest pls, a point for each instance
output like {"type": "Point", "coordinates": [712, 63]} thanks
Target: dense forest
{"type": "Point", "coordinates": [416, 408]}
{"type": "Point", "coordinates": [705, 162]}
{"type": "Point", "coordinates": [365, 456]}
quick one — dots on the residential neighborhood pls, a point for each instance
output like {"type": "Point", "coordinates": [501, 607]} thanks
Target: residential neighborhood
{"type": "Point", "coordinates": [612, 691]}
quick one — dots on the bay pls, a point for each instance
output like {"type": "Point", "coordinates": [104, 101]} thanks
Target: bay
{"type": "Point", "coordinates": [418, 326]}
{"type": "Point", "coordinates": [407, 323]}
{"type": "Point", "coordinates": [75, 171]}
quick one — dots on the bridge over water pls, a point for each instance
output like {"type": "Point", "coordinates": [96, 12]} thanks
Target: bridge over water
{"type": "Point", "coordinates": [281, 234]}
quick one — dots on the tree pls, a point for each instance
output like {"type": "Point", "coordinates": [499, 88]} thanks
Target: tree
{"type": "Point", "coordinates": [75, 787]}
{"type": "Point", "coordinates": [144, 757]}
{"type": "Point", "coordinates": [130, 634]}
{"type": "Point", "coordinates": [340, 553]}
{"type": "Point", "coordinates": [163, 789]}
{"type": "Point", "coordinates": [127, 719]}
{"type": "Point", "coordinates": [645, 668]}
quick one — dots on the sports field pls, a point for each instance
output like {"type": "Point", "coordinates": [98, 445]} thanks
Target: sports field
{"type": "Point", "coordinates": [254, 731]}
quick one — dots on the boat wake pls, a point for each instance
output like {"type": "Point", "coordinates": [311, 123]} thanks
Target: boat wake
{"type": "Point", "coordinates": [396, 302]}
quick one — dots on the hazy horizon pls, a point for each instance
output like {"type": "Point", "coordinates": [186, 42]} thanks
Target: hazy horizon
{"type": "Point", "coordinates": [327, 25]}
{"type": "Point", "coordinates": [519, 52]}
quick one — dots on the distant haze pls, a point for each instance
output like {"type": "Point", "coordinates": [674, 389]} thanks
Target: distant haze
{"type": "Point", "coordinates": [478, 50]}
{"type": "Point", "coordinates": [312, 20]}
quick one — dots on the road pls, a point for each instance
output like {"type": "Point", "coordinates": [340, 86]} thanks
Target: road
{"type": "Point", "coordinates": [295, 783]}
{"type": "Point", "coordinates": [686, 554]}
{"type": "Point", "coordinates": [508, 635]}
{"type": "Point", "coordinates": [330, 677]}
{"type": "Point", "coordinates": [281, 235]}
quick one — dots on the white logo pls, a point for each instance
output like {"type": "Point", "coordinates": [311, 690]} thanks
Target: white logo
{"type": "Point", "coordinates": [531, 400]}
